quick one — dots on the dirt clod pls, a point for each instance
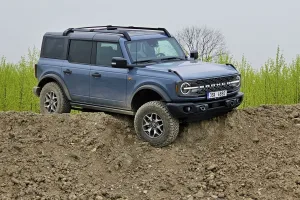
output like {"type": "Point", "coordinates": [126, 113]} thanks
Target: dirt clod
{"type": "Point", "coordinates": [295, 114]}
{"type": "Point", "coordinates": [212, 167]}
{"type": "Point", "coordinates": [297, 120]}
{"type": "Point", "coordinates": [248, 154]}
{"type": "Point", "coordinates": [255, 139]}
{"type": "Point", "coordinates": [199, 194]}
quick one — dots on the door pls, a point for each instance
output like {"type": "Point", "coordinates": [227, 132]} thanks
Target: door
{"type": "Point", "coordinates": [107, 84]}
{"type": "Point", "coordinates": [76, 71]}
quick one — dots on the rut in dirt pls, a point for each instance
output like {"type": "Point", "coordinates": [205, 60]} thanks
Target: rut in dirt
{"type": "Point", "coordinates": [248, 154]}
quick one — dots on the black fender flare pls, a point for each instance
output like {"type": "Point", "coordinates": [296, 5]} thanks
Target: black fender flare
{"type": "Point", "coordinates": [156, 89]}
{"type": "Point", "coordinates": [58, 80]}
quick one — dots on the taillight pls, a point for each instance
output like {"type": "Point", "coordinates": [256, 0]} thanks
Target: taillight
{"type": "Point", "coordinates": [35, 70]}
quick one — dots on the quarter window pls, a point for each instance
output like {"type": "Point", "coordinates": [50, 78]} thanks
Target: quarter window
{"type": "Point", "coordinates": [106, 51]}
{"type": "Point", "coordinates": [53, 48]}
{"type": "Point", "coordinates": [80, 51]}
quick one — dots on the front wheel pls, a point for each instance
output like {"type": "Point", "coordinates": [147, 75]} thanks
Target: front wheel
{"type": "Point", "coordinates": [154, 123]}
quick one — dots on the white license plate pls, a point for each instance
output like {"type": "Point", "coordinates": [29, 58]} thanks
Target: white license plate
{"type": "Point", "coordinates": [218, 94]}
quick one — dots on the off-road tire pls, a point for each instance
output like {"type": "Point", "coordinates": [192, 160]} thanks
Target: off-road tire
{"type": "Point", "coordinates": [63, 104]}
{"type": "Point", "coordinates": [170, 124]}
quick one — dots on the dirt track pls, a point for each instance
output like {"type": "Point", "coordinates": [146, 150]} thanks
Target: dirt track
{"type": "Point", "coordinates": [250, 154]}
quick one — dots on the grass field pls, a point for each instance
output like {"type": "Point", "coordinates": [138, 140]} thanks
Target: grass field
{"type": "Point", "coordinates": [16, 83]}
{"type": "Point", "coordinates": [276, 82]}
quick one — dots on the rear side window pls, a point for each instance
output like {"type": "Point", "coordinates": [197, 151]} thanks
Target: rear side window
{"type": "Point", "coordinates": [80, 51]}
{"type": "Point", "coordinates": [53, 48]}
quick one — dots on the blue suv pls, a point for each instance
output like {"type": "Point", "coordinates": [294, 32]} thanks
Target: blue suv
{"type": "Point", "coordinates": [136, 71]}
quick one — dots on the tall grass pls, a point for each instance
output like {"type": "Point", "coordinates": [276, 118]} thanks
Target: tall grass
{"type": "Point", "coordinates": [16, 83]}
{"type": "Point", "coordinates": [276, 82]}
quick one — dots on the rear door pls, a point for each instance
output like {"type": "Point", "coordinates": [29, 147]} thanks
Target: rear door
{"type": "Point", "coordinates": [76, 71]}
{"type": "Point", "coordinates": [107, 84]}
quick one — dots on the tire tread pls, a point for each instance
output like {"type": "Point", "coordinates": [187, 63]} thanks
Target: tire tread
{"type": "Point", "coordinates": [65, 104]}
{"type": "Point", "coordinates": [173, 122]}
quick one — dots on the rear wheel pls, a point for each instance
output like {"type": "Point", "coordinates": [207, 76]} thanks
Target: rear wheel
{"type": "Point", "coordinates": [53, 100]}
{"type": "Point", "coordinates": [154, 123]}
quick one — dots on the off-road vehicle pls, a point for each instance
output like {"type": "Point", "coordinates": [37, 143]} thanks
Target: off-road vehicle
{"type": "Point", "coordinates": [136, 71]}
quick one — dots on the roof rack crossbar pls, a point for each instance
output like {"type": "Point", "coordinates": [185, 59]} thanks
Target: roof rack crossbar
{"type": "Point", "coordinates": [143, 28]}
{"type": "Point", "coordinates": [124, 33]}
{"type": "Point", "coordinates": [71, 30]}
{"type": "Point", "coordinates": [97, 26]}
{"type": "Point", "coordinates": [114, 29]}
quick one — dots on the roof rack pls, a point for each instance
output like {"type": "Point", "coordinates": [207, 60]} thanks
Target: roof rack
{"type": "Point", "coordinates": [71, 30]}
{"type": "Point", "coordinates": [113, 29]}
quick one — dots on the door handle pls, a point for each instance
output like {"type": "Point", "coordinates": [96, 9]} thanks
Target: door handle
{"type": "Point", "coordinates": [67, 71]}
{"type": "Point", "coordinates": [96, 75]}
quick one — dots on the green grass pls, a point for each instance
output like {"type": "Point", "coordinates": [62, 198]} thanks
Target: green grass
{"type": "Point", "coordinates": [276, 82]}
{"type": "Point", "coordinates": [16, 83]}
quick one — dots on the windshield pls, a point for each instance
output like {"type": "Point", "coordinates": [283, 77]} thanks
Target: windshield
{"type": "Point", "coordinates": [153, 50]}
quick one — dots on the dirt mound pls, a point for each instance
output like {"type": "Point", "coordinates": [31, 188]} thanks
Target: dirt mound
{"type": "Point", "coordinates": [249, 154]}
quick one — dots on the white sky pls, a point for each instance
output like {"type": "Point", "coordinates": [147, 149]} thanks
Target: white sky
{"type": "Point", "coordinates": [252, 28]}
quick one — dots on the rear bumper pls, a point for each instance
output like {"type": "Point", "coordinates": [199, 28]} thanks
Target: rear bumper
{"type": "Point", "coordinates": [205, 109]}
{"type": "Point", "coordinates": [36, 91]}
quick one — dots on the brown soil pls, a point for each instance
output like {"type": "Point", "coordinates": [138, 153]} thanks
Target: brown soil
{"type": "Point", "coordinates": [250, 154]}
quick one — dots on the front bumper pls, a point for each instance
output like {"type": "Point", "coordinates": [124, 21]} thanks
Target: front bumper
{"type": "Point", "coordinates": [36, 91]}
{"type": "Point", "coordinates": [206, 109]}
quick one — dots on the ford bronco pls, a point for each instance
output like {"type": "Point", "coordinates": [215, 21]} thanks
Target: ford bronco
{"type": "Point", "coordinates": [136, 71]}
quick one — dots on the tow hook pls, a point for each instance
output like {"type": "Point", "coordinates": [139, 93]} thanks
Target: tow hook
{"type": "Point", "coordinates": [203, 107]}
{"type": "Point", "coordinates": [231, 103]}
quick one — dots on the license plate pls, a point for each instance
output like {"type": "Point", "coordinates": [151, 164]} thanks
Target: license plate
{"type": "Point", "coordinates": [218, 94]}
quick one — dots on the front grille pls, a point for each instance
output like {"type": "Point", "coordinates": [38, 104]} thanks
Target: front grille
{"type": "Point", "coordinates": [219, 80]}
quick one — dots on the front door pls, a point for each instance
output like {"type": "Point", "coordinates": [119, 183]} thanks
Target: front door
{"type": "Point", "coordinates": [107, 84]}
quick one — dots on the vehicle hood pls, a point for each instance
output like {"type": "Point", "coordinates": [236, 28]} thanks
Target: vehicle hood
{"type": "Point", "coordinates": [188, 70]}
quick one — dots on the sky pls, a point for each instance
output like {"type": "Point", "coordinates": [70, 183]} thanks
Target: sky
{"type": "Point", "coordinates": [251, 28]}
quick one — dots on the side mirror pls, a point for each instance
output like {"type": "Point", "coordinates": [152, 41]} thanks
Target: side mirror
{"type": "Point", "coordinates": [118, 62]}
{"type": "Point", "coordinates": [194, 54]}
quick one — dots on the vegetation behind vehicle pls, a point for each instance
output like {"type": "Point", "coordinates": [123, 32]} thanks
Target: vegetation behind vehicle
{"type": "Point", "coordinates": [276, 82]}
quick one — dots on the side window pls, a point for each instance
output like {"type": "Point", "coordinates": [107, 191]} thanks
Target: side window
{"type": "Point", "coordinates": [53, 48]}
{"type": "Point", "coordinates": [80, 51]}
{"type": "Point", "coordinates": [106, 51]}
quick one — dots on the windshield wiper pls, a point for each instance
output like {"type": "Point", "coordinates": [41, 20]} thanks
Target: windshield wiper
{"type": "Point", "coordinates": [158, 60]}
{"type": "Point", "coordinates": [145, 61]}
{"type": "Point", "coordinates": [173, 58]}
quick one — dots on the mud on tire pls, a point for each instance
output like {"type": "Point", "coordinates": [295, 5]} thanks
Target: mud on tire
{"type": "Point", "coordinates": [154, 123]}
{"type": "Point", "coordinates": [53, 100]}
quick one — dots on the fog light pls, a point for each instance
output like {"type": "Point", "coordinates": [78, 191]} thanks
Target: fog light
{"type": "Point", "coordinates": [187, 109]}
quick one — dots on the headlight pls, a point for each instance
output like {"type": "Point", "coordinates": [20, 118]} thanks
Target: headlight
{"type": "Point", "coordinates": [189, 89]}
{"type": "Point", "coordinates": [185, 88]}
{"type": "Point", "coordinates": [236, 82]}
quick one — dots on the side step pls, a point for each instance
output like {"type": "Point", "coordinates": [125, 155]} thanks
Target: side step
{"type": "Point", "coordinates": [78, 106]}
